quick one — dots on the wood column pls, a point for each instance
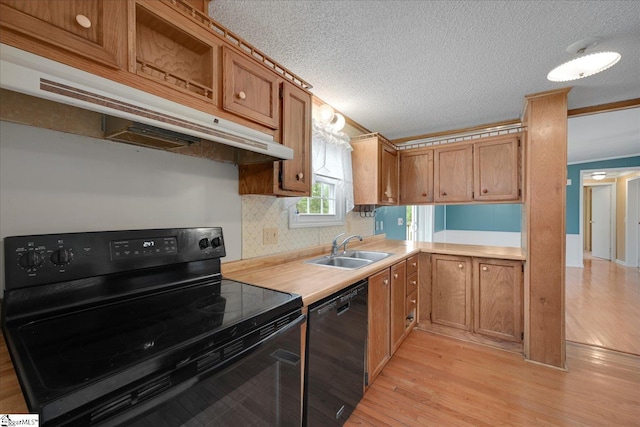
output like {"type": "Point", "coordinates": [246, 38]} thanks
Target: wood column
{"type": "Point", "coordinates": [545, 118]}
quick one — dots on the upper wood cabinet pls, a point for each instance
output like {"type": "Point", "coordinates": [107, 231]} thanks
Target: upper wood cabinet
{"type": "Point", "coordinates": [91, 29]}
{"type": "Point", "coordinates": [485, 170]}
{"type": "Point", "coordinates": [296, 134]}
{"type": "Point", "coordinates": [451, 291]}
{"type": "Point", "coordinates": [249, 89]}
{"type": "Point", "coordinates": [497, 298]}
{"type": "Point", "coordinates": [496, 168]}
{"type": "Point", "coordinates": [286, 177]}
{"type": "Point", "coordinates": [169, 55]}
{"type": "Point", "coordinates": [375, 170]}
{"type": "Point", "coordinates": [453, 173]}
{"type": "Point", "coordinates": [416, 176]}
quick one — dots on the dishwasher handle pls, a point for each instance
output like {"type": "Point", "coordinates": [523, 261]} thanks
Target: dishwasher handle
{"type": "Point", "coordinates": [343, 308]}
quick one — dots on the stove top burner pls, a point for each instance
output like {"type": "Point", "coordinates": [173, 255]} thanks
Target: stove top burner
{"type": "Point", "coordinates": [138, 340]}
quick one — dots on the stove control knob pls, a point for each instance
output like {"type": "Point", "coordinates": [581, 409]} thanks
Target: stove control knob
{"type": "Point", "coordinates": [204, 244]}
{"type": "Point", "coordinates": [31, 259]}
{"type": "Point", "coordinates": [62, 256]}
{"type": "Point", "coordinates": [216, 242]}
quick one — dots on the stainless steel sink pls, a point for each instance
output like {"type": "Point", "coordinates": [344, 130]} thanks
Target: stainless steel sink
{"type": "Point", "coordinates": [350, 260]}
{"type": "Point", "coordinates": [370, 255]}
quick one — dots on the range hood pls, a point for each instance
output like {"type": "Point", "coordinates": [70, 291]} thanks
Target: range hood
{"type": "Point", "coordinates": [162, 120]}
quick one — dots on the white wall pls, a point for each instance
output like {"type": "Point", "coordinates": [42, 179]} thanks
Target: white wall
{"type": "Point", "coordinates": [488, 238]}
{"type": "Point", "coordinates": [54, 182]}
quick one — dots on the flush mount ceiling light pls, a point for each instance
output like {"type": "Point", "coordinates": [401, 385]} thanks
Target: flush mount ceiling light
{"type": "Point", "coordinates": [583, 66]}
{"type": "Point", "coordinates": [598, 175]}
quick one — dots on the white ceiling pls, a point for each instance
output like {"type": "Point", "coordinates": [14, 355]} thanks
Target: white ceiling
{"type": "Point", "coordinates": [406, 68]}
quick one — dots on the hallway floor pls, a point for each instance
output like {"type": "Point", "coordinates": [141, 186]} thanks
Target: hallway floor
{"type": "Point", "coordinates": [603, 305]}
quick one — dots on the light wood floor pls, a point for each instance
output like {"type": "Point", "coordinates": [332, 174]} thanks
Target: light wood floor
{"type": "Point", "coordinates": [440, 381]}
{"type": "Point", "coordinates": [602, 305]}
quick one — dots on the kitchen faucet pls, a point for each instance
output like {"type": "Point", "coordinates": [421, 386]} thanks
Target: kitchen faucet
{"type": "Point", "coordinates": [335, 246]}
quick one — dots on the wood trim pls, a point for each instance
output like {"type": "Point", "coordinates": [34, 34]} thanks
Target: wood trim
{"type": "Point", "coordinates": [544, 218]}
{"type": "Point", "coordinates": [604, 108]}
{"type": "Point", "coordinates": [456, 131]}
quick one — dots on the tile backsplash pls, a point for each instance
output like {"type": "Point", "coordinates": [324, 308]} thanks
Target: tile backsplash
{"type": "Point", "coordinates": [260, 212]}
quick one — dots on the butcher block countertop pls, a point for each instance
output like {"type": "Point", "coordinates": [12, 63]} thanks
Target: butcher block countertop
{"type": "Point", "coordinates": [288, 272]}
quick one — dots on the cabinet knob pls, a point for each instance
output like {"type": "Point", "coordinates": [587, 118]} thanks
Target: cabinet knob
{"type": "Point", "coordinates": [424, 194]}
{"type": "Point", "coordinates": [413, 282]}
{"type": "Point", "coordinates": [395, 276]}
{"type": "Point", "coordinates": [460, 265]}
{"type": "Point", "coordinates": [299, 176]}
{"type": "Point", "coordinates": [385, 282]}
{"type": "Point", "coordinates": [241, 95]}
{"type": "Point", "coordinates": [444, 193]}
{"type": "Point", "coordinates": [485, 191]}
{"type": "Point", "coordinates": [83, 21]}
{"type": "Point", "coordinates": [414, 264]}
{"type": "Point", "coordinates": [386, 193]}
{"type": "Point", "coordinates": [413, 301]}
{"type": "Point", "coordinates": [485, 268]}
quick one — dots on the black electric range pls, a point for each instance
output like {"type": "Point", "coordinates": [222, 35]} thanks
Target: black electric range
{"type": "Point", "coordinates": [103, 327]}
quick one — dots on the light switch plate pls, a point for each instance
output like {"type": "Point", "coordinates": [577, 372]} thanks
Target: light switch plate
{"type": "Point", "coordinates": [269, 236]}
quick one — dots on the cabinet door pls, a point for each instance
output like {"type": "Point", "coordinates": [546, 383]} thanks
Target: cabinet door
{"type": "Point", "coordinates": [249, 90]}
{"type": "Point", "coordinates": [87, 28]}
{"type": "Point", "coordinates": [497, 293]}
{"type": "Point", "coordinates": [495, 167]}
{"type": "Point", "coordinates": [451, 291]}
{"type": "Point", "coordinates": [378, 336]}
{"type": "Point", "coordinates": [453, 173]}
{"type": "Point", "coordinates": [170, 56]}
{"type": "Point", "coordinates": [388, 191]}
{"type": "Point", "coordinates": [398, 304]}
{"type": "Point", "coordinates": [296, 134]}
{"type": "Point", "coordinates": [416, 176]}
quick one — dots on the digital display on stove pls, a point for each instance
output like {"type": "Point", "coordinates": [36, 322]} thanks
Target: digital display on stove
{"type": "Point", "coordinates": [126, 249]}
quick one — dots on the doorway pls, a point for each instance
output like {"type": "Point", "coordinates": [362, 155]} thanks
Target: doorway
{"type": "Point", "coordinates": [601, 224]}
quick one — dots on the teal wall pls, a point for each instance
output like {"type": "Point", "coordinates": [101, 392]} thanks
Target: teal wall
{"type": "Point", "coordinates": [439, 216]}
{"type": "Point", "coordinates": [389, 216]}
{"type": "Point", "coordinates": [573, 190]}
{"type": "Point", "coordinates": [502, 217]}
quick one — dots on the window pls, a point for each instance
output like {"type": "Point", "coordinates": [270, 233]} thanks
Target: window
{"type": "Point", "coordinates": [325, 207]}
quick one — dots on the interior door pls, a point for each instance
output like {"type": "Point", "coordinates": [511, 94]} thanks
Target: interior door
{"type": "Point", "coordinates": [601, 221]}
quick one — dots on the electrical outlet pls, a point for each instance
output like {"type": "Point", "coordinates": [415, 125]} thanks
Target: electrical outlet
{"type": "Point", "coordinates": [400, 221]}
{"type": "Point", "coordinates": [269, 236]}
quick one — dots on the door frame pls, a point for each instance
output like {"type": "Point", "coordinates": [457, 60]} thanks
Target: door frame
{"type": "Point", "coordinates": [587, 172]}
{"type": "Point", "coordinates": [632, 239]}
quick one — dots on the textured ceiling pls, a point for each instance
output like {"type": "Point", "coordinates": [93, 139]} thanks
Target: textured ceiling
{"type": "Point", "coordinates": [405, 68]}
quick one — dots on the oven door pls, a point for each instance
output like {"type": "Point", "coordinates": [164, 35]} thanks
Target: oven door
{"type": "Point", "coordinates": [261, 387]}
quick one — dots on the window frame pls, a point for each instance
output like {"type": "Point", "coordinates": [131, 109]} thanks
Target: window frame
{"type": "Point", "coordinates": [310, 220]}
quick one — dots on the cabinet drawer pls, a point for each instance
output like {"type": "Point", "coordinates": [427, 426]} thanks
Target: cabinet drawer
{"type": "Point", "coordinates": [412, 282]}
{"type": "Point", "coordinates": [411, 307]}
{"type": "Point", "coordinates": [412, 265]}
{"type": "Point", "coordinates": [249, 89]}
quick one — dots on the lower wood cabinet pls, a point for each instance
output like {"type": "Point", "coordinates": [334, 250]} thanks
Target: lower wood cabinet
{"type": "Point", "coordinates": [451, 293]}
{"type": "Point", "coordinates": [378, 347]}
{"type": "Point", "coordinates": [392, 312]}
{"type": "Point", "coordinates": [398, 304]}
{"type": "Point", "coordinates": [497, 298]}
{"type": "Point", "coordinates": [479, 295]}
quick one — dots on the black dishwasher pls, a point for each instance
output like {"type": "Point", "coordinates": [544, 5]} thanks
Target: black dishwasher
{"type": "Point", "coordinates": [335, 356]}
